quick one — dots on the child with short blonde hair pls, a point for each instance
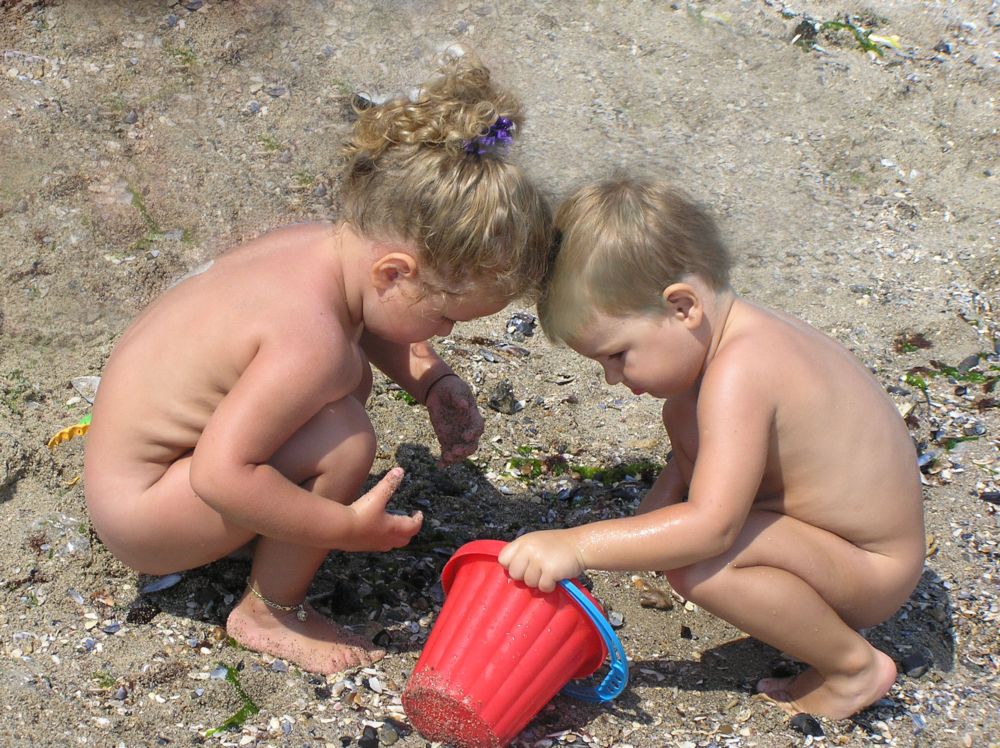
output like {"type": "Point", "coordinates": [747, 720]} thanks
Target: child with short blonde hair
{"type": "Point", "coordinates": [232, 409]}
{"type": "Point", "coordinates": [791, 507]}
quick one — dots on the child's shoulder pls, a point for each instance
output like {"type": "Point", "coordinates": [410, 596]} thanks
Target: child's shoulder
{"type": "Point", "coordinates": [768, 351]}
{"type": "Point", "coordinates": [754, 347]}
{"type": "Point", "coordinates": [748, 332]}
{"type": "Point", "coordinates": [307, 231]}
{"type": "Point", "coordinates": [281, 240]}
{"type": "Point", "coordinates": [759, 332]}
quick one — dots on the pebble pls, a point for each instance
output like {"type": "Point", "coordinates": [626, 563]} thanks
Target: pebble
{"type": "Point", "coordinates": [388, 735]}
{"type": "Point", "coordinates": [807, 724]}
{"type": "Point", "coordinates": [502, 399]}
{"type": "Point", "coordinates": [915, 664]}
{"type": "Point", "coordinates": [369, 738]}
{"type": "Point", "coordinates": [521, 324]}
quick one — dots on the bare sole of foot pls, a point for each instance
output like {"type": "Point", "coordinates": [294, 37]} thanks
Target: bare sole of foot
{"type": "Point", "coordinates": [836, 697]}
{"type": "Point", "coordinates": [317, 644]}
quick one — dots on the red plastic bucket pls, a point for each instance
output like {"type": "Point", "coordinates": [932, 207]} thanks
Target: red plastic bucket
{"type": "Point", "coordinates": [499, 651]}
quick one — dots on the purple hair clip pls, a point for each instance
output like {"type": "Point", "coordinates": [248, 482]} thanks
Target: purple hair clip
{"type": "Point", "coordinates": [497, 137]}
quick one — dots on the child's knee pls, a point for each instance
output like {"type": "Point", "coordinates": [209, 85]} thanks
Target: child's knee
{"type": "Point", "coordinates": [688, 580]}
{"type": "Point", "coordinates": [351, 442]}
{"type": "Point", "coordinates": [353, 437]}
{"type": "Point", "coordinates": [681, 580]}
{"type": "Point", "coordinates": [364, 389]}
{"type": "Point", "coordinates": [337, 444]}
{"type": "Point", "coordinates": [363, 448]}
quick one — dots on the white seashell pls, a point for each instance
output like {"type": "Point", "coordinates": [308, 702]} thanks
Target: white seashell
{"type": "Point", "coordinates": [196, 271]}
{"type": "Point", "coordinates": [86, 386]}
{"type": "Point", "coordinates": [162, 583]}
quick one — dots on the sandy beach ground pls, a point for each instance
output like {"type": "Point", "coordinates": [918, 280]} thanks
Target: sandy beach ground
{"type": "Point", "coordinates": [858, 190]}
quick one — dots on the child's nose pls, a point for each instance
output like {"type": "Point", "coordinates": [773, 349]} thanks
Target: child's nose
{"type": "Point", "coordinates": [445, 329]}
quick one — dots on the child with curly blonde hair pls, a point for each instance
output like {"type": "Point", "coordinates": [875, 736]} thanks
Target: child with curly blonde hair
{"type": "Point", "coordinates": [233, 407]}
{"type": "Point", "coordinates": [791, 507]}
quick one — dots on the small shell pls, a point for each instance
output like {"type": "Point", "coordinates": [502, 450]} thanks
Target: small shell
{"type": "Point", "coordinates": [162, 583]}
{"type": "Point", "coordinates": [86, 386]}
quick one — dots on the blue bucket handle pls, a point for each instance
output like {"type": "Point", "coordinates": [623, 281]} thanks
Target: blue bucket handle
{"type": "Point", "coordinates": [617, 678]}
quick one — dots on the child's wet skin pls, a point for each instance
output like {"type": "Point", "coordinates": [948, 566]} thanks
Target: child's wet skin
{"type": "Point", "coordinates": [775, 513]}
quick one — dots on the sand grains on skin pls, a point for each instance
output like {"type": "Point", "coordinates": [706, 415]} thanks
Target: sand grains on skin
{"type": "Point", "coordinates": [317, 644]}
{"type": "Point", "coordinates": [836, 697]}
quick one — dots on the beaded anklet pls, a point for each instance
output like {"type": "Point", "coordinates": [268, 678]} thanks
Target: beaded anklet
{"type": "Point", "coordinates": [299, 610]}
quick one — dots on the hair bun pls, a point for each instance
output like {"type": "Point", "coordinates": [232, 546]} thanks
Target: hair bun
{"type": "Point", "coordinates": [456, 108]}
{"type": "Point", "coordinates": [429, 169]}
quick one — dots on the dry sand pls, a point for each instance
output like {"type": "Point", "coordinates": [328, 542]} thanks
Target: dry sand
{"type": "Point", "coordinates": [139, 139]}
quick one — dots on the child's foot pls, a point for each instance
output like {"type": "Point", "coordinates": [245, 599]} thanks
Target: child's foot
{"type": "Point", "coordinates": [836, 697]}
{"type": "Point", "coordinates": [316, 644]}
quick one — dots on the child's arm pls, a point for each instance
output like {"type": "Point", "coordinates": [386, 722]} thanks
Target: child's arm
{"type": "Point", "coordinates": [668, 488]}
{"type": "Point", "coordinates": [284, 386]}
{"type": "Point", "coordinates": [735, 414]}
{"type": "Point", "coordinates": [450, 403]}
{"type": "Point", "coordinates": [414, 367]}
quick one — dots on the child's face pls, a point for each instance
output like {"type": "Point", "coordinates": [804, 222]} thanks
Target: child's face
{"type": "Point", "coordinates": [657, 354]}
{"type": "Point", "coordinates": [419, 314]}
{"type": "Point", "coordinates": [406, 305]}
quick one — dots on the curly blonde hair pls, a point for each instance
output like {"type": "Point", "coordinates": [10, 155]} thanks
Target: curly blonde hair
{"type": "Point", "coordinates": [621, 242]}
{"type": "Point", "coordinates": [475, 219]}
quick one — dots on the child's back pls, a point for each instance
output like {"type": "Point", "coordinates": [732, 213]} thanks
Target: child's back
{"type": "Point", "coordinates": [225, 311]}
{"type": "Point", "coordinates": [840, 457]}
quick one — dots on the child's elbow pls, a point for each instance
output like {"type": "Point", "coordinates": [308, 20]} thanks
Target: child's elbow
{"type": "Point", "coordinates": [207, 482]}
{"type": "Point", "coordinates": [720, 538]}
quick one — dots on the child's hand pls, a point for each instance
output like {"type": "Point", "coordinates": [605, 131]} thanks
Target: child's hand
{"type": "Point", "coordinates": [541, 559]}
{"type": "Point", "coordinates": [457, 423]}
{"type": "Point", "coordinates": [375, 529]}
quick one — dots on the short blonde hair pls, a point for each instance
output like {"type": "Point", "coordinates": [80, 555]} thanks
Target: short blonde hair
{"type": "Point", "coordinates": [620, 243]}
{"type": "Point", "coordinates": [475, 218]}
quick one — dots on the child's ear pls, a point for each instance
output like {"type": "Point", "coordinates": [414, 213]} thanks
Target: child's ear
{"type": "Point", "coordinates": [391, 268]}
{"type": "Point", "coordinates": [683, 304]}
